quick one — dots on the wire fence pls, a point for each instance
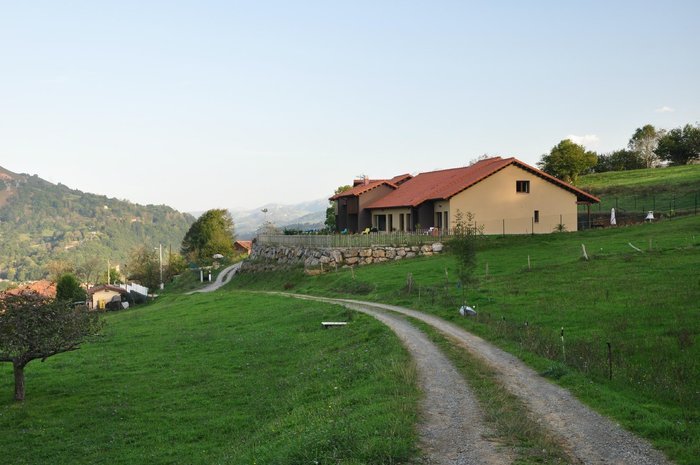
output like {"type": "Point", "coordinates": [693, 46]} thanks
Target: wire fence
{"type": "Point", "coordinates": [666, 203]}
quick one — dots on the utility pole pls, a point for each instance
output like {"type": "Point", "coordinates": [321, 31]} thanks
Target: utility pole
{"type": "Point", "coordinates": [160, 259]}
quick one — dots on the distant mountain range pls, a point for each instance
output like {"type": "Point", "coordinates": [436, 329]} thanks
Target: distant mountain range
{"type": "Point", "coordinates": [43, 225]}
{"type": "Point", "coordinates": [304, 215]}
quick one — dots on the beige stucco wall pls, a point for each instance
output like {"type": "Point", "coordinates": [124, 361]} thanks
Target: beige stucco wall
{"type": "Point", "coordinates": [499, 208]}
{"type": "Point", "coordinates": [106, 296]}
{"type": "Point", "coordinates": [394, 213]}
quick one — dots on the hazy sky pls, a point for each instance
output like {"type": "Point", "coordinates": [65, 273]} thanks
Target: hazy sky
{"type": "Point", "coordinates": [207, 104]}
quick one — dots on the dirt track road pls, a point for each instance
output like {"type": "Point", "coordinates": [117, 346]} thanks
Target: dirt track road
{"type": "Point", "coordinates": [587, 436]}
{"type": "Point", "coordinates": [222, 279]}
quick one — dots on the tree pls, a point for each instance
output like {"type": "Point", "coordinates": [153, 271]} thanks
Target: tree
{"type": "Point", "coordinates": [619, 160]}
{"type": "Point", "coordinates": [90, 268]}
{"type": "Point", "coordinates": [34, 327]}
{"type": "Point", "coordinates": [680, 145]}
{"type": "Point", "coordinates": [176, 265]}
{"type": "Point", "coordinates": [114, 277]}
{"type": "Point", "coordinates": [463, 245]}
{"type": "Point", "coordinates": [330, 211]}
{"type": "Point", "coordinates": [144, 267]}
{"type": "Point", "coordinates": [211, 234]}
{"type": "Point", "coordinates": [68, 289]}
{"type": "Point", "coordinates": [567, 161]}
{"type": "Point", "coordinates": [644, 141]}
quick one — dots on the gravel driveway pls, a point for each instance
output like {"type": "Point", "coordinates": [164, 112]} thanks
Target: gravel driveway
{"type": "Point", "coordinates": [222, 279]}
{"type": "Point", "coordinates": [452, 431]}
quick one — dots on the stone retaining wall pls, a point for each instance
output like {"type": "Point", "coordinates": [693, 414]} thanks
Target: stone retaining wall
{"type": "Point", "coordinates": [326, 259]}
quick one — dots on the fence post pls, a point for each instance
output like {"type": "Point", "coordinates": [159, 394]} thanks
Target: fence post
{"type": "Point", "coordinates": [563, 349]}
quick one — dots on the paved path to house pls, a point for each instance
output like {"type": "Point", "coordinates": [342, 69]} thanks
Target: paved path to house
{"type": "Point", "coordinates": [587, 436]}
{"type": "Point", "coordinates": [222, 279]}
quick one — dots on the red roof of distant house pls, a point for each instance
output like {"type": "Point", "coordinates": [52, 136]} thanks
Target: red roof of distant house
{"type": "Point", "coordinates": [444, 184]}
{"type": "Point", "coordinates": [400, 179]}
{"type": "Point", "coordinates": [361, 186]}
{"type": "Point", "coordinates": [43, 287]}
{"type": "Point", "coordinates": [245, 244]}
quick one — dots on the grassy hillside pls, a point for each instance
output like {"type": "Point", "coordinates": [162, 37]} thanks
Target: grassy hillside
{"type": "Point", "coordinates": [646, 304]}
{"type": "Point", "coordinates": [674, 189]}
{"type": "Point", "coordinates": [42, 222]}
{"type": "Point", "coordinates": [218, 378]}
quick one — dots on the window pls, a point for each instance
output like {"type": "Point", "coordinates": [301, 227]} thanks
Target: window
{"type": "Point", "coordinates": [536, 216]}
{"type": "Point", "coordinates": [380, 222]}
{"type": "Point", "coordinates": [522, 186]}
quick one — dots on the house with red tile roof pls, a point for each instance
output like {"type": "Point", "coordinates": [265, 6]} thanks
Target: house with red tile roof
{"type": "Point", "coordinates": [243, 247]}
{"type": "Point", "coordinates": [351, 214]}
{"type": "Point", "coordinates": [505, 196]}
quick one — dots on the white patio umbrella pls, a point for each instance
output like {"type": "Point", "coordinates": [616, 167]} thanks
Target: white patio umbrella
{"type": "Point", "coordinates": [613, 220]}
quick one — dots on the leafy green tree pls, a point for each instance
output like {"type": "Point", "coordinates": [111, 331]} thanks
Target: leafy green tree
{"type": "Point", "coordinates": [463, 245]}
{"type": "Point", "coordinates": [176, 265]}
{"type": "Point", "coordinates": [68, 289]}
{"type": "Point", "coordinates": [567, 161]}
{"type": "Point", "coordinates": [644, 141]}
{"type": "Point", "coordinates": [330, 211]}
{"type": "Point", "coordinates": [144, 267]}
{"type": "Point", "coordinates": [211, 234]}
{"type": "Point", "coordinates": [619, 160]}
{"type": "Point", "coordinates": [114, 277]}
{"type": "Point", "coordinates": [35, 327]}
{"type": "Point", "coordinates": [680, 145]}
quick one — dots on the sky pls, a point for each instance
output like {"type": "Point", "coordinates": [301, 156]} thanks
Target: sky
{"type": "Point", "coordinates": [231, 104]}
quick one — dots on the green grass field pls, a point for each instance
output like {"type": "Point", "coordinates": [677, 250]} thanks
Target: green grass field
{"type": "Point", "coordinates": [646, 304]}
{"type": "Point", "coordinates": [673, 190]}
{"type": "Point", "coordinates": [218, 379]}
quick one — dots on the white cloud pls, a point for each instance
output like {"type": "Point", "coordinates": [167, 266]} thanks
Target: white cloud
{"type": "Point", "coordinates": [590, 141]}
{"type": "Point", "coordinates": [665, 109]}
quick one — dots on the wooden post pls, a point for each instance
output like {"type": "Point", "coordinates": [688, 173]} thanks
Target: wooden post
{"type": "Point", "coordinates": [563, 349]}
{"type": "Point", "coordinates": [528, 263]}
{"type": "Point", "coordinates": [589, 215]}
{"type": "Point", "coordinates": [585, 255]}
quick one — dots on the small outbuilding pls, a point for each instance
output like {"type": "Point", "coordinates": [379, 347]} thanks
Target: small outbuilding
{"type": "Point", "coordinates": [109, 297]}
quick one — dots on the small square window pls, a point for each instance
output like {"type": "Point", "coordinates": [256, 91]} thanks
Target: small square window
{"type": "Point", "coordinates": [522, 186]}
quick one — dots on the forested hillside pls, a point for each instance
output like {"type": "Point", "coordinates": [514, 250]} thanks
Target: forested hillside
{"type": "Point", "coordinates": [42, 223]}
